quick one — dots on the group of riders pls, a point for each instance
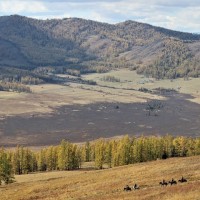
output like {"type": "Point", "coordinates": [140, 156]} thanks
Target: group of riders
{"type": "Point", "coordinates": [172, 182]}
{"type": "Point", "coordinates": [162, 183]}
{"type": "Point", "coordinates": [128, 188]}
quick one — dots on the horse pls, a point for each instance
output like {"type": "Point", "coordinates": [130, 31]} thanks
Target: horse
{"type": "Point", "coordinates": [136, 187]}
{"type": "Point", "coordinates": [182, 180]}
{"type": "Point", "coordinates": [127, 188]}
{"type": "Point", "coordinates": [172, 182]}
{"type": "Point", "coordinates": [163, 183]}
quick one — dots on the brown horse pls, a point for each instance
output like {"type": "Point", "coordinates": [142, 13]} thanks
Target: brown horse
{"type": "Point", "coordinates": [172, 182]}
{"type": "Point", "coordinates": [163, 183]}
{"type": "Point", "coordinates": [136, 187]}
{"type": "Point", "coordinates": [182, 180]}
{"type": "Point", "coordinates": [127, 188]}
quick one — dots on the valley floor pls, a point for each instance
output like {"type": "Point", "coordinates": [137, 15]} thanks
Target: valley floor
{"type": "Point", "coordinates": [108, 184]}
{"type": "Point", "coordinates": [82, 112]}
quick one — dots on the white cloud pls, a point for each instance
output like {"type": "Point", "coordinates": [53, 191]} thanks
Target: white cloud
{"type": "Point", "coordinates": [172, 17]}
{"type": "Point", "coordinates": [17, 6]}
{"type": "Point", "coordinates": [189, 19]}
{"type": "Point", "coordinates": [61, 16]}
{"type": "Point", "coordinates": [173, 14]}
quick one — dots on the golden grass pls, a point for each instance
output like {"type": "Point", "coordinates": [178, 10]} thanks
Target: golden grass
{"type": "Point", "coordinates": [130, 79]}
{"type": "Point", "coordinates": [8, 95]}
{"type": "Point", "coordinates": [49, 96]}
{"type": "Point", "coordinates": [108, 184]}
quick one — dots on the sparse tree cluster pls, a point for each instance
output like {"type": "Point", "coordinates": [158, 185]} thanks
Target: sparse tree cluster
{"type": "Point", "coordinates": [28, 80]}
{"type": "Point", "coordinates": [154, 107]}
{"type": "Point", "coordinates": [65, 156]}
{"type": "Point", "coordinates": [17, 87]}
{"type": "Point", "coordinates": [110, 79]}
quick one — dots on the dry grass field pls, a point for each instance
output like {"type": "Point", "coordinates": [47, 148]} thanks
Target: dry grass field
{"type": "Point", "coordinates": [45, 98]}
{"type": "Point", "coordinates": [130, 79]}
{"type": "Point", "coordinates": [80, 112]}
{"type": "Point", "coordinates": [108, 184]}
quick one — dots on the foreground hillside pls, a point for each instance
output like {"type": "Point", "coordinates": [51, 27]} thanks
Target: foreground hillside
{"type": "Point", "coordinates": [109, 183]}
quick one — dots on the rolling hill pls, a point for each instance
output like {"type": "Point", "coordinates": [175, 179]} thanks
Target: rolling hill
{"type": "Point", "coordinates": [108, 184]}
{"type": "Point", "coordinates": [77, 43]}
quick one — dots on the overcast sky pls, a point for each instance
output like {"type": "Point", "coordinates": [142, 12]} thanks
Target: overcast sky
{"type": "Point", "coordinates": [183, 15]}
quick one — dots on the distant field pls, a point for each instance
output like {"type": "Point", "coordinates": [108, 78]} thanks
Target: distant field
{"type": "Point", "coordinates": [81, 112]}
{"type": "Point", "coordinates": [108, 184]}
{"type": "Point", "coordinates": [49, 96]}
{"type": "Point", "coordinates": [130, 79]}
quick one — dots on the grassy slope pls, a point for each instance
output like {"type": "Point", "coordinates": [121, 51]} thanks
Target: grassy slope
{"type": "Point", "coordinates": [109, 183]}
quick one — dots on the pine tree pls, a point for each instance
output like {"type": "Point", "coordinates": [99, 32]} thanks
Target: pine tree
{"type": "Point", "coordinates": [76, 157]}
{"type": "Point", "coordinates": [191, 147]}
{"type": "Point", "coordinates": [124, 151]}
{"type": "Point", "coordinates": [41, 160]}
{"type": "Point", "coordinates": [87, 152]}
{"type": "Point", "coordinates": [108, 154]}
{"type": "Point", "coordinates": [180, 144]}
{"type": "Point", "coordinates": [6, 173]}
{"type": "Point", "coordinates": [27, 159]}
{"type": "Point", "coordinates": [168, 145]}
{"type": "Point", "coordinates": [50, 158]}
{"type": "Point", "coordinates": [137, 150]}
{"type": "Point", "coordinates": [65, 156]}
{"type": "Point", "coordinates": [99, 154]}
{"type": "Point", "coordinates": [115, 154]}
{"type": "Point", "coordinates": [197, 146]}
{"type": "Point", "coordinates": [16, 161]}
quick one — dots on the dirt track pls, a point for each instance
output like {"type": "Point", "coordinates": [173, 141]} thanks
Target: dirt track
{"type": "Point", "coordinates": [80, 123]}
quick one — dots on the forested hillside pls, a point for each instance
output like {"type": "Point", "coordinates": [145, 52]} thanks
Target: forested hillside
{"type": "Point", "coordinates": [88, 46]}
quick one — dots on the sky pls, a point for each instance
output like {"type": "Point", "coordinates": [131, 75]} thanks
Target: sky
{"type": "Point", "coordinates": [181, 15]}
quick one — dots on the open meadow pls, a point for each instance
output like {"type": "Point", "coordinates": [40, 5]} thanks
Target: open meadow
{"type": "Point", "coordinates": [46, 97]}
{"type": "Point", "coordinates": [82, 112]}
{"type": "Point", "coordinates": [108, 184]}
{"type": "Point", "coordinates": [131, 80]}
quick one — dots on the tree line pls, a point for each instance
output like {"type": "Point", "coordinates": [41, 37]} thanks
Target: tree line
{"type": "Point", "coordinates": [109, 78]}
{"type": "Point", "coordinates": [17, 87]}
{"type": "Point", "coordinates": [104, 153]}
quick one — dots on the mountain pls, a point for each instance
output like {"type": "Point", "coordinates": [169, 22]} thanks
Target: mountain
{"type": "Point", "coordinates": [72, 42]}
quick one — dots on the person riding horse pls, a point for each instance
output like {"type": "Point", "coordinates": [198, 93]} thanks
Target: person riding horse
{"type": "Point", "coordinates": [172, 182]}
{"type": "Point", "coordinates": [127, 188]}
{"type": "Point", "coordinates": [163, 183]}
{"type": "Point", "coordinates": [182, 180]}
{"type": "Point", "coordinates": [135, 187]}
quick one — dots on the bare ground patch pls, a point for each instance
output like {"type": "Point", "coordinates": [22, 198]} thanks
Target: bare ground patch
{"type": "Point", "coordinates": [78, 123]}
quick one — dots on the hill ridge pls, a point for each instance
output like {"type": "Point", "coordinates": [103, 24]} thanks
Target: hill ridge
{"type": "Point", "coordinates": [76, 41]}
